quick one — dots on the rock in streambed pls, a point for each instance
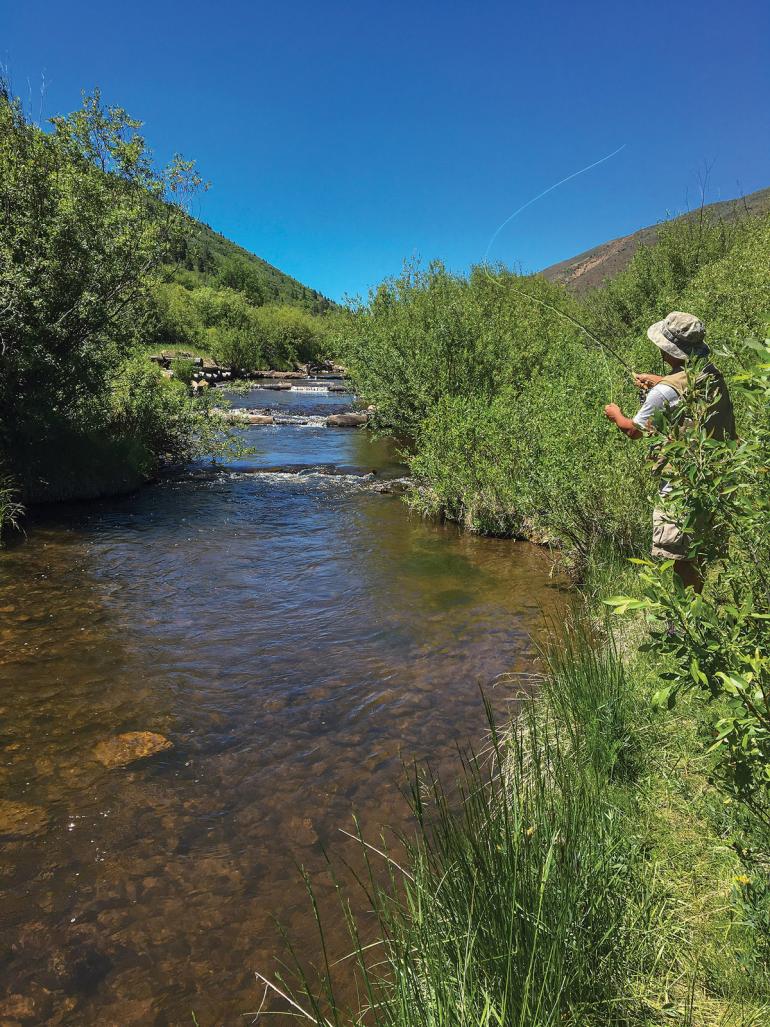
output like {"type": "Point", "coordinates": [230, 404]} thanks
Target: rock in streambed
{"type": "Point", "coordinates": [17, 819]}
{"type": "Point", "coordinates": [129, 747]}
{"type": "Point", "coordinates": [349, 420]}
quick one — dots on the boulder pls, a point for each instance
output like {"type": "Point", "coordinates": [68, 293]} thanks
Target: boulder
{"type": "Point", "coordinates": [350, 420]}
{"type": "Point", "coordinates": [260, 418]}
{"type": "Point", "coordinates": [131, 746]}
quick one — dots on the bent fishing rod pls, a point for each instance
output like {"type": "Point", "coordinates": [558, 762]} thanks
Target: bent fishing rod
{"type": "Point", "coordinates": [569, 317]}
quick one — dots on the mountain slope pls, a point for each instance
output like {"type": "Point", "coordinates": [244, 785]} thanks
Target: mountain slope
{"type": "Point", "coordinates": [589, 269]}
{"type": "Point", "coordinates": [209, 258]}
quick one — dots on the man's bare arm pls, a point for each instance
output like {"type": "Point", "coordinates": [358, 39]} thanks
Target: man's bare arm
{"type": "Point", "coordinates": [613, 413]}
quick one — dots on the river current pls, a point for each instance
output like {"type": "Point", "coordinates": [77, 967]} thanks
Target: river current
{"type": "Point", "coordinates": [296, 635]}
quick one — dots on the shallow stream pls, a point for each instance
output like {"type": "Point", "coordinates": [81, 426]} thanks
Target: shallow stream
{"type": "Point", "coordinates": [295, 635]}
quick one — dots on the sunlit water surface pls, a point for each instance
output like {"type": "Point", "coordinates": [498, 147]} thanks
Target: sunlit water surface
{"type": "Point", "coordinates": [295, 635]}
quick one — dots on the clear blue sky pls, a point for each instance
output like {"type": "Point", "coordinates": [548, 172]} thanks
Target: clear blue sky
{"type": "Point", "coordinates": [341, 138]}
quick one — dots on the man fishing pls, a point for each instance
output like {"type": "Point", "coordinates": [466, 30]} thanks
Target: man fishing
{"type": "Point", "coordinates": [680, 337]}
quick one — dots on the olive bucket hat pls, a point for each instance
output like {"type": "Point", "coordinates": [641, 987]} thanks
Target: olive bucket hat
{"type": "Point", "coordinates": [680, 335]}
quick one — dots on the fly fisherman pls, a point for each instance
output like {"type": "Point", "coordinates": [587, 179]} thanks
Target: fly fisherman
{"type": "Point", "coordinates": [680, 337]}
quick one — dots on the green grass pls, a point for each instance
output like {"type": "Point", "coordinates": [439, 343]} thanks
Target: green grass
{"type": "Point", "coordinates": [583, 874]}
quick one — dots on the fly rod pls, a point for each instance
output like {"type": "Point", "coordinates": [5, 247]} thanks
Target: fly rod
{"type": "Point", "coordinates": [578, 324]}
{"type": "Point", "coordinates": [604, 346]}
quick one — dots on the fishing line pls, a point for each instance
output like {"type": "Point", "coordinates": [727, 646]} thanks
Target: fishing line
{"type": "Point", "coordinates": [545, 192]}
{"type": "Point", "coordinates": [604, 346]}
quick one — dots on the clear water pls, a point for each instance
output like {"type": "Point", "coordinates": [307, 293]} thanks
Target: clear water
{"type": "Point", "coordinates": [295, 636]}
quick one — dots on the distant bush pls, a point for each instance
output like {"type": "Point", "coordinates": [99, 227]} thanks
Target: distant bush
{"type": "Point", "coordinates": [184, 370]}
{"type": "Point", "coordinates": [223, 324]}
{"type": "Point", "coordinates": [290, 336]}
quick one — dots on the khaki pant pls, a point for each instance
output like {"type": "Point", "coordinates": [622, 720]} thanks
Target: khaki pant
{"type": "Point", "coordinates": [668, 541]}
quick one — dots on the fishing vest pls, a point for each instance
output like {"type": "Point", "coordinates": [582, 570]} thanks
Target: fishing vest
{"type": "Point", "coordinates": [721, 419]}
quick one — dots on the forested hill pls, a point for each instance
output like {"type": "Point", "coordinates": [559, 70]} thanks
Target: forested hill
{"type": "Point", "coordinates": [589, 269]}
{"type": "Point", "coordinates": [207, 257]}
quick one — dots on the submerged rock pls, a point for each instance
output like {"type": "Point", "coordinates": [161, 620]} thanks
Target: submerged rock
{"type": "Point", "coordinates": [301, 831]}
{"type": "Point", "coordinates": [18, 819]}
{"type": "Point", "coordinates": [351, 420]}
{"type": "Point", "coordinates": [393, 486]}
{"type": "Point", "coordinates": [131, 746]}
{"type": "Point", "coordinates": [16, 1007]}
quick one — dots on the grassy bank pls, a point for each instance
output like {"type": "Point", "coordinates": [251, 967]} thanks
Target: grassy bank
{"type": "Point", "coordinates": [590, 873]}
{"type": "Point", "coordinates": [608, 859]}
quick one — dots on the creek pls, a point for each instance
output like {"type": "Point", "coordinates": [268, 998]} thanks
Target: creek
{"type": "Point", "coordinates": [296, 634]}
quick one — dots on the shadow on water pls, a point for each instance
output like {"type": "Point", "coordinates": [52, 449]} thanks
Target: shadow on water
{"type": "Point", "coordinates": [294, 638]}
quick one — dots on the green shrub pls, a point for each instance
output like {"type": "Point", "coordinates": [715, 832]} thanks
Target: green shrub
{"type": "Point", "coordinates": [498, 394]}
{"type": "Point", "coordinates": [717, 644]}
{"type": "Point", "coordinates": [87, 223]}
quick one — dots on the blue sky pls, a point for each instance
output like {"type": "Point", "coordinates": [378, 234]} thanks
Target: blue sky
{"type": "Point", "coordinates": [342, 138]}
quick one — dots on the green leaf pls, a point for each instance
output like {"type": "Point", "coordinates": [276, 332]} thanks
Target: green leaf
{"type": "Point", "coordinates": [665, 697]}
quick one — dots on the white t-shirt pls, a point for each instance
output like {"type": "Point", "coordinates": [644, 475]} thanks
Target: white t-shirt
{"type": "Point", "coordinates": [659, 397]}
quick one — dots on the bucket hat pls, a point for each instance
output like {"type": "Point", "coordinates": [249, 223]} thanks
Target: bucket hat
{"type": "Point", "coordinates": [680, 335]}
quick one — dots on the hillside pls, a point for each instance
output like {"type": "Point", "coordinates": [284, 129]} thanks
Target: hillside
{"type": "Point", "coordinates": [589, 269]}
{"type": "Point", "coordinates": [209, 258]}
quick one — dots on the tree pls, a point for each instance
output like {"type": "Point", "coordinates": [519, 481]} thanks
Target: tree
{"type": "Point", "coordinates": [85, 223]}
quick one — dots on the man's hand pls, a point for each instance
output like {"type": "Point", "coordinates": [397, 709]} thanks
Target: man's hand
{"type": "Point", "coordinates": [647, 381]}
{"type": "Point", "coordinates": [613, 413]}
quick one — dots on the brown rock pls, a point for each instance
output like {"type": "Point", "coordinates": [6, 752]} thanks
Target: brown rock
{"type": "Point", "coordinates": [129, 1012]}
{"type": "Point", "coordinates": [17, 1007]}
{"type": "Point", "coordinates": [261, 419]}
{"type": "Point", "coordinates": [131, 746]}
{"type": "Point", "coordinates": [350, 420]}
{"type": "Point", "coordinates": [301, 831]}
{"type": "Point", "coordinates": [18, 819]}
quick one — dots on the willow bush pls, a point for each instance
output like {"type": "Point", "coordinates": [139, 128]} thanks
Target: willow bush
{"type": "Point", "coordinates": [497, 393]}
